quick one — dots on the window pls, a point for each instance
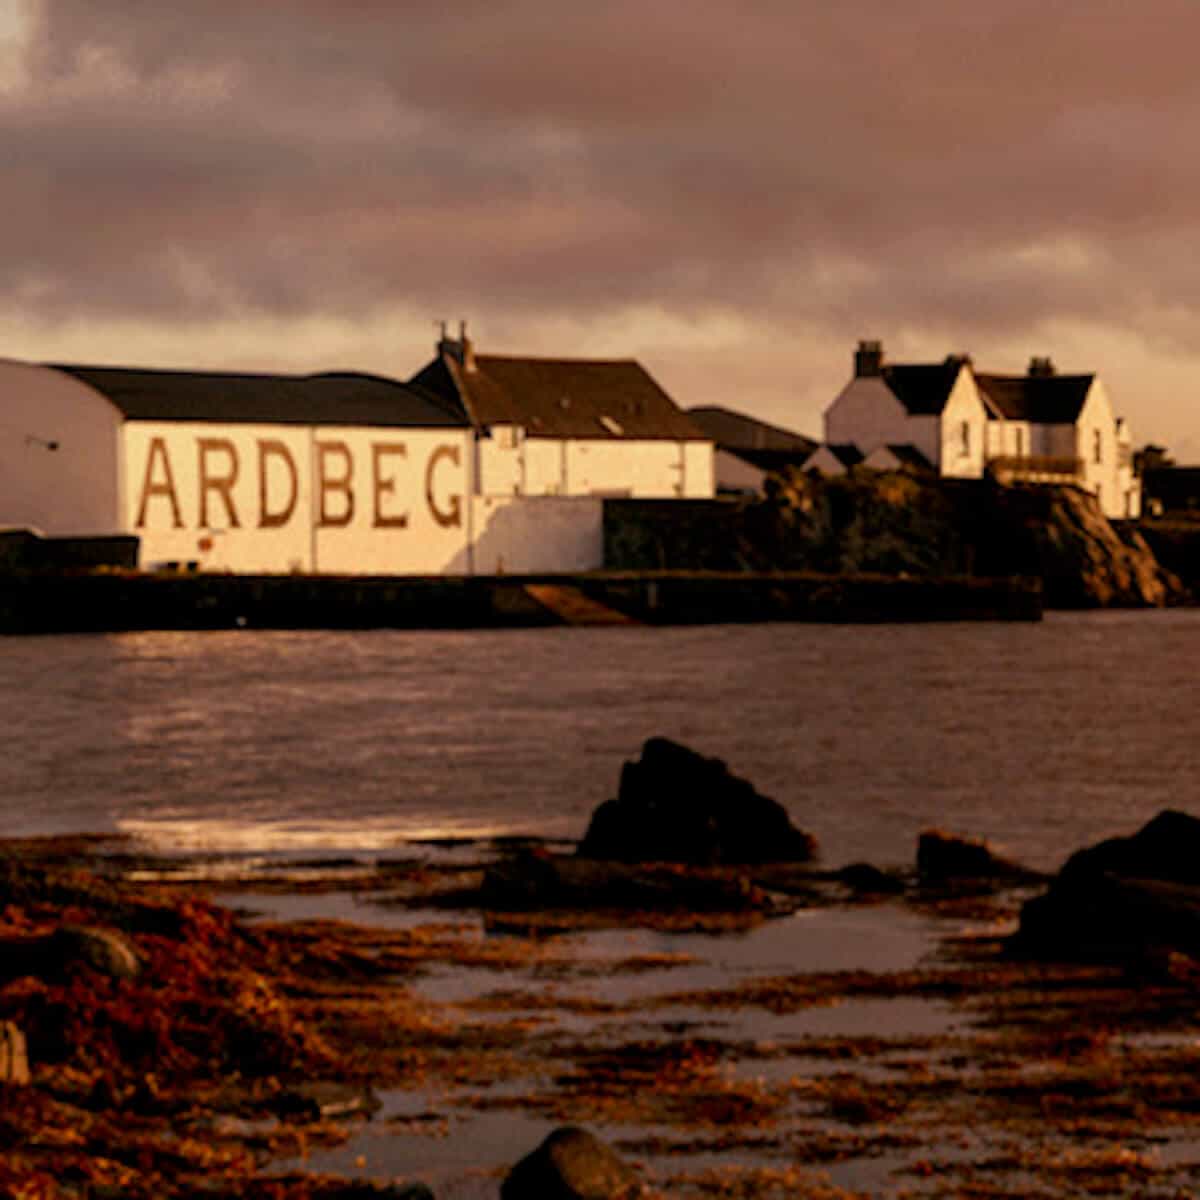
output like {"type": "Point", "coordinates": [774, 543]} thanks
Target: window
{"type": "Point", "coordinates": [964, 434]}
{"type": "Point", "coordinates": [1097, 446]}
{"type": "Point", "coordinates": [1019, 439]}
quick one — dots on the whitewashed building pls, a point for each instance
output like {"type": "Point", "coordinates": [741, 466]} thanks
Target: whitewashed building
{"type": "Point", "coordinates": [937, 409]}
{"type": "Point", "coordinates": [569, 427]}
{"type": "Point", "coordinates": [1040, 427]}
{"type": "Point", "coordinates": [465, 471]}
{"type": "Point", "coordinates": [344, 474]}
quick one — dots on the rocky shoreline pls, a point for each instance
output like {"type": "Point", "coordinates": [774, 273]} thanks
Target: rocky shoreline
{"type": "Point", "coordinates": [879, 1037]}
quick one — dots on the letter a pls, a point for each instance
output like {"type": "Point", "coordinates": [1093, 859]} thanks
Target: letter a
{"type": "Point", "coordinates": [154, 487]}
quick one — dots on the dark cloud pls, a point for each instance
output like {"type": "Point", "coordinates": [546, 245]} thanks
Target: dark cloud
{"type": "Point", "coordinates": [973, 170]}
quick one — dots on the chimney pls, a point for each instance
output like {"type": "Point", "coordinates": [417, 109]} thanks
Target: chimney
{"type": "Point", "coordinates": [461, 349]}
{"type": "Point", "coordinates": [1041, 368]}
{"type": "Point", "coordinates": [959, 360]}
{"type": "Point", "coordinates": [468, 347]}
{"type": "Point", "coordinates": [868, 360]}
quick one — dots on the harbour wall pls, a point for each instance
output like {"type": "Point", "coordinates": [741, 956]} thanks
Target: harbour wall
{"type": "Point", "coordinates": [42, 602]}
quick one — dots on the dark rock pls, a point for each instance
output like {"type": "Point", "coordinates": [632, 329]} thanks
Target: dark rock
{"type": "Point", "coordinates": [571, 1164]}
{"type": "Point", "coordinates": [869, 880]}
{"type": "Point", "coordinates": [14, 1058]}
{"type": "Point", "coordinates": [541, 880]}
{"type": "Point", "coordinates": [945, 858]}
{"type": "Point", "coordinates": [1125, 900]}
{"type": "Point", "coordinates": [52, 955]}
{"type": "Point", "coordinates": [103, 950]}
{"type": "Point", "coordinates": [1166, 847]}
{"type": "Point", "coordinates": [1105, 918]}
{"type": "Point", "coordinates": [675, 805]}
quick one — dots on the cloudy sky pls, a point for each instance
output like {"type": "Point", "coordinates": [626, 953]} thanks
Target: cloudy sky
{"type": "Point", "coordinates": [733, 192]}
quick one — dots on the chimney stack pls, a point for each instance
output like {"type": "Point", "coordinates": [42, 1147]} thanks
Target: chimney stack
{"type": "Point", "coordinates": [461, 349]}
{"type": "Point", "coordinates": [468, 347]}
{"type": "Point", "coordinates": [868, 359]}
{"type": "Point", "coordinates": [1041, 368]}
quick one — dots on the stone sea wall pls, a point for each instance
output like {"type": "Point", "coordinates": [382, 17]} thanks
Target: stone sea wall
{"type": "Point", "coordinates": [53, 602]}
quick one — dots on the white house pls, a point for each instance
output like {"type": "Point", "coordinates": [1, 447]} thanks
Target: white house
{"type": "Point", "coordinates": [1046, 427]}
{"type": "Point", "coordinates": [326, 473]}
{"type": "Point", "coordinates": [569, 427]}
{"type": "Point", "coordinates": [934, 408]}
{"type": "Point", "coordinates": [1040, 427]}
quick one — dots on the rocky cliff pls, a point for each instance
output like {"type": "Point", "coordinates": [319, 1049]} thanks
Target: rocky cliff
{"type": "Point", "coordinates": [900, 524]}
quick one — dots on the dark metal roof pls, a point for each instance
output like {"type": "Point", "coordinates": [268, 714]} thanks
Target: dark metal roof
{"type": "Point", "coordinates": [738, 432]}
{"type": "Point", "coordinates": [565, 398]}
{"type": "Point", "coordinates": [1040, 399]}
{"type": "Point", "coordinates": [337, 398]}
{"type": "Point", "coordinates": [923, 389]}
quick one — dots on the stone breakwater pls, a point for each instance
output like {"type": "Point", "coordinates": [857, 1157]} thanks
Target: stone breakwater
{"type": "Point", "coordinates": [54, 602]}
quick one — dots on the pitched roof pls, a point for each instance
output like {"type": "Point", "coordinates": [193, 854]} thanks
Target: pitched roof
{"type": "Point", "coordinates": [336, 398]}
{"type": "Point", "coordinates": [923, 389]}
{"type": "Point", "coordinates": [738, 432]}
{"type": "Point", "coordinates": [554, 397]}
{"type": "Point", "coordinates": [1040, 399]}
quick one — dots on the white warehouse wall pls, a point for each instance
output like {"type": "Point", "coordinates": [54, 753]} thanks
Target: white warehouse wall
{"type": "Point", "coordinates": [277, 498]}
{"type": "Point", "coordinates": [699, 470]}
{"type": "Point", "coordinates": [74, 488]}
{"type": "Point", "coordinates": [519, 535]}
{"type": "Point", "coordinates": [644, 469]}
{"type": "Point", "coordinates": [511, 463]}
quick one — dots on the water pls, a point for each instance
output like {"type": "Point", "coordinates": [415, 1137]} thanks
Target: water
{"type": "Point", "coordinates": [1040, 737]}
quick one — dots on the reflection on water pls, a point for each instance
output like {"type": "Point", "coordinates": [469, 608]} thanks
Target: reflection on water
{"type": "Point", "coordinates": [1040, 737]}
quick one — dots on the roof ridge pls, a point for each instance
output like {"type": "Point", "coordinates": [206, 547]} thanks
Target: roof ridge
{"type": "Point", "coordinates": [538, 358]}
{"type": "Point", "coordinates": [1025, 377]}
{"type": "Point", "coordinates": [62, 366]}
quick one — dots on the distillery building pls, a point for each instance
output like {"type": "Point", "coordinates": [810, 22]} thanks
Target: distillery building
{"type": "Point", "coordinates": [342, 473]}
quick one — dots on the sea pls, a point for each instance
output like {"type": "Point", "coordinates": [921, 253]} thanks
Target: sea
{"type": "Point", "coordinates": [1039, 737]}
{"type": "Point", "coordinates": [247, 748]}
